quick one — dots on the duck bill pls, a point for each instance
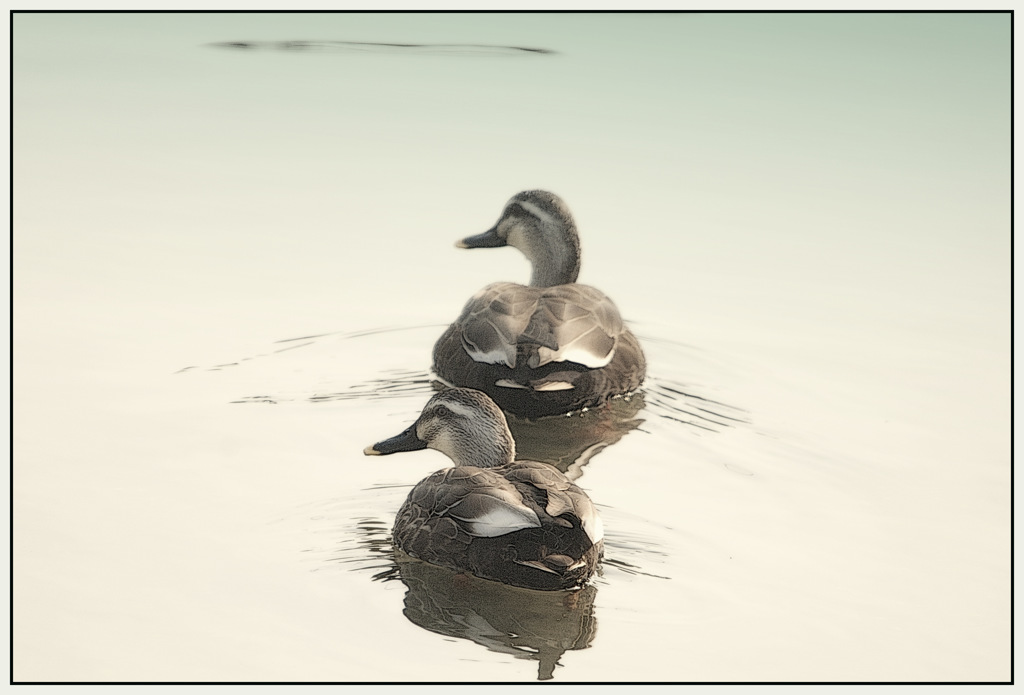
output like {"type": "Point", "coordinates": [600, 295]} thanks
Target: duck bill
{"type": "Point", "coordinates": [487, 240]}
{"type": "Point", "coordinates": [406, 441]}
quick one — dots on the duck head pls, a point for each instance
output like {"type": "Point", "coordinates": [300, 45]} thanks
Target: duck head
{"type": "Point", "coordinates": [463, 424]}
{"type": "Point", "coordinates": [539, 224]}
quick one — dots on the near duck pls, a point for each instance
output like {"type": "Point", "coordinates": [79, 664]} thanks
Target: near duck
{"type": "Point", "coordinates": [518, 522]}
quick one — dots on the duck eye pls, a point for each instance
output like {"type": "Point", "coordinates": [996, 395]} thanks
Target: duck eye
{"type": "Point", "coordinates": [442, 411]}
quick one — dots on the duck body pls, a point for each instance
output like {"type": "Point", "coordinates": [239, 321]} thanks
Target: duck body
{"type": "Point", "coordinates": [521, 523]}
{"type": "Point", "coordinates": [548, 348]}
{"type": "Point", "coordinates": [540, 351]}
{"type": "Point", "coordinates": [541, 543]}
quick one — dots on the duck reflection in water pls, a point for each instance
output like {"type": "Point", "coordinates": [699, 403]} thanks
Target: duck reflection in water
{"type": "Point", "coordinates": [568, 442]}
{"type": "Point", "coordinates": [527, 624]}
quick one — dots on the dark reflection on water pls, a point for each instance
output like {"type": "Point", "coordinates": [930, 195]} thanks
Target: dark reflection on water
{"type": "Point", "coordinates": [471, 49]}
{"type": "Point", "coordinates": [569, 442]}
{"type": "Point", "coordinates": [527, 624]}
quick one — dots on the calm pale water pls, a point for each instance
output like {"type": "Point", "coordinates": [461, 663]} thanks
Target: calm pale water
{"type": "Point", "coordinates": [231, 264]}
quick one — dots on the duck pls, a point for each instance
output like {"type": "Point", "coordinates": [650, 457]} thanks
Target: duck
{"type": "Point", "coordinates": [521, 523]}
{"type": "Point", "coordinates": [548, 348]}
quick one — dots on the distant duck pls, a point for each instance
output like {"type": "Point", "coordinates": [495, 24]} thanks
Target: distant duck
{"type": "Point", "coordinates": [517, 522]}
{"type": "Point", "coordinates": [552, 347]}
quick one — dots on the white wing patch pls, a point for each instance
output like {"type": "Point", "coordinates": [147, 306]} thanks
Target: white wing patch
{"type": "Point", "coordinates": [488, 516]}
{"type": "Point", "coordinates": [544, 386]}
{"type": "Point", "coordinates": [492, 357]}
{"type": "Point", "coordinates": [485, 342]}
{"type": "Point", "coordinates": [580, 355]}
{"type": "Point", "coordinates": [554, 386]}
{"type": "Point", "coordinates": [594, 527]}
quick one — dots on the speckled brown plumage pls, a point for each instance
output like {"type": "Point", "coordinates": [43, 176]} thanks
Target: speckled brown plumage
{"type": "Point", "coordinates": [533, 307]}
{"type": "Point", "coordinates": [428, 526]}
{"type": "Point", "coordinates": [518, 522]}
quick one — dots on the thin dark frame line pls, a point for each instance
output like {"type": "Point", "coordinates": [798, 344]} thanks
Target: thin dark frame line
{"type": "Point", "coordinates": [506, 11]}
{"type": "Point", "coordinates": [794, 11]}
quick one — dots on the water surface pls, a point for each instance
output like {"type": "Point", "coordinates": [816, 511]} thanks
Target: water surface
{"type": "Point", "coordinates": [230, 266]}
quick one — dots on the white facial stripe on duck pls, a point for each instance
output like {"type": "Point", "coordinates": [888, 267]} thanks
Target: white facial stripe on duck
{"type": "Point", "coordinates": [543, 215]}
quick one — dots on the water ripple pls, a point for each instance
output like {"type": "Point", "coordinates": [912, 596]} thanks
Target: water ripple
{"type": "Point", "coordinates": [676, 401]}
{"type": "Point", "coordinates": [358, 541]}
{"type": "Point", "coordinates": [665, 394]}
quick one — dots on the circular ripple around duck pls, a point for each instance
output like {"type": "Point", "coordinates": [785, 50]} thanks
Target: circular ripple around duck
{"type": "Point", "coordinates": [357, 541]}
{"type": "Point", "coordinates": [681, 401]}
{"type": "Point", "coordinates": [317, 369]}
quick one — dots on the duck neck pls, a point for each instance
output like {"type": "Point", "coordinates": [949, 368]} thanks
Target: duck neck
{"type": "Point", "coordinates": [555, 257]}
{"type": "Point", "coordinates": [484, 452]}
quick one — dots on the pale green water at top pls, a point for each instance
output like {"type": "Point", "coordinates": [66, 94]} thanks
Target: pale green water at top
{"type": "Point", "coordinates": [804, 217]}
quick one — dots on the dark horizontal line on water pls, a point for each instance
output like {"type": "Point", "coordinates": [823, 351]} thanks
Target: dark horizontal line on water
{"type": "Point", "coordinates": [382, 46]}
{"type": "Point", "coordinates": [700, 398]}
{"type": "Point", "coordinates": [631, 569]}
{"type": "Point", "coordinates": [689, 422]}
{"type": "Point", "coordinates": [665, 341]}
{"type": "Point", "coordinates": [734, 419]}
{"type": "Point", "coordinates": [360, 334]}
{"type": "Point", "coordinates": [293, 347]}
{"type": "Point", "coordinates": [633, 542]}
{"type": "Point", "coordinates": [684, 411]}
{"type": "Point", "coordinates": [362, 561]}
{"type": "Point", "coordinates": [305, 337]}
{"type": "Point", "coordinates": [409, 385]}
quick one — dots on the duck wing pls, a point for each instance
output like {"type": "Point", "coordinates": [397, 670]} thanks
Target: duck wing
{"type": "Point", "coordinates": [497, 523]}
{"type": "Point", "coordinates": [490, 502]}
{"type": "Point", "coordinates": [560, 498]}
{"type": "Point", "coordinates": [493, 320]}
{"type": "Point", "coordinates": [477, 502]}
{"type": "Point", "coordinates": [580, 324]}
{"type": "Point", "coordinates": [567, 323]}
